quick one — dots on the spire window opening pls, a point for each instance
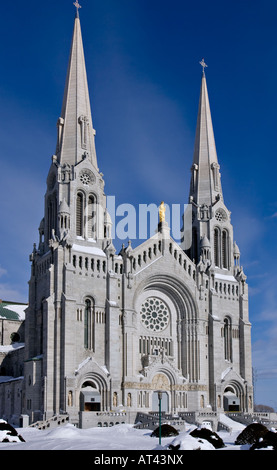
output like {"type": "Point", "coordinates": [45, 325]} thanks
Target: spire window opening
{"type": "Point", "coordinates": [227, 334]}
{"type": "Point", "coordinates": [92, 209]}
{"type": "Point", "coordinates": [52, 215]}
{"type": "Point", "coordinates": [80, 215]}
{"type": "Point", "coordinates": [216, 247]}
{"type": "Point", "coordinates": [86, 216]}
{"type": "Point", "coordinates": [225, 249]}
{"type": "Point", "coordinates": [221, 248]}
{"type": "Point", "coordinates": [89, 325]}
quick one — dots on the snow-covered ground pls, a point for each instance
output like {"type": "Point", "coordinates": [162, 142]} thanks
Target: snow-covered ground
{"type": "Point", "coordinates": [118, 438]}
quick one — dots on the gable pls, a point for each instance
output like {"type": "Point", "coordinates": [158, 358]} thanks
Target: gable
{"type": "Point", "coordinates": [159, 251]}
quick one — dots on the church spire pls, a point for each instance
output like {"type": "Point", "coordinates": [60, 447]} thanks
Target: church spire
{"type": "Point", "coordinates": [76, 136]}
{"type": "Point", "coordinates": [205, 181]}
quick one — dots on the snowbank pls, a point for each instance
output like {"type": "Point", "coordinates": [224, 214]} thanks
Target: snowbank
{"type": "Point", "coordinates": [8, 433]}
{"type": "Point", "coordinates": [234, 425]}
{"type": "Point", "coordinates": [186, 442]}
{"type": "Point", "coordinates": [120, 437]}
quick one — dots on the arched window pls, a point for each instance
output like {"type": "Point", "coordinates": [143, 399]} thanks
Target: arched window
{"type": "Point", "coordinates": [52, 215]}
{"type": "Point", "coordinates": [225, 249]}
{"type": "Point", "coordinates": [80, 215]}
{"type": "Point", "coordinates": [221, 248]}
{"type": "Point", "coordinates": [216, 247]}
{"type": "Point", "coordinates": [89, 325]}
{"type": "Point", "coordinates": [92, 217]}
{"type": "Point", "coordinates": [227, 339]}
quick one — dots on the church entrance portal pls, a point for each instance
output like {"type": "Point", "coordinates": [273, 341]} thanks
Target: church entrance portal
{"type": "Point", "coordinates": [90, 398]}
{"type": "Point", "coordinates": [230, 400]}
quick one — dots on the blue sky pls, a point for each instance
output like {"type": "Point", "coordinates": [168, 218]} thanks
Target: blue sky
{"type": "Point", "coordinates": [144, 76]}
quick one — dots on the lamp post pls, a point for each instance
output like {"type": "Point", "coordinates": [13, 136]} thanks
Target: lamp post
{"type": "Point", "coordinates": [160, 394]}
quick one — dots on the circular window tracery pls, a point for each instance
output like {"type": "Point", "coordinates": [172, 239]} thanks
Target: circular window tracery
{"type": "Point", "coordinates": [220, 215]}
{"type": "Point", "coordinates": [154, 314]}
{"type": "Point", "coordinates": [86, 177]}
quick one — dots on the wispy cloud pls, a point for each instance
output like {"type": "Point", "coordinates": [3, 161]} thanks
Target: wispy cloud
{"type": "Point", "coordinates": [2, 272]}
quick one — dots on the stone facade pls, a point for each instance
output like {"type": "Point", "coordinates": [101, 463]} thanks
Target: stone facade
{"type": "Point", "coordinates": [105, 331]}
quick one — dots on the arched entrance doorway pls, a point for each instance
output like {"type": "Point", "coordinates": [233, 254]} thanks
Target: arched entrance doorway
{"type": "Point", "coordinates": [90, 398]}
{"type": "Point", "coordinates": [231, 401]}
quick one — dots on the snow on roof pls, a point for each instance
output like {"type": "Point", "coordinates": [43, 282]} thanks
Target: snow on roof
{"type": "Point", "coordinates": [12, 311]}
{"type": "Point", "coordinates": [7, 378]}
{"type": "Point", "coordinates": [11, 347]}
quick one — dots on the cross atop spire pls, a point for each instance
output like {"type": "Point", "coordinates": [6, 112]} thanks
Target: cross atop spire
{"type": "Point", "coordinates": [203, 65]}
{"type": "Point", "coordinates": [78, 6]}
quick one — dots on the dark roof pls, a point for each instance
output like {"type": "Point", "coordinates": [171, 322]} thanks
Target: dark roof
{"type": "Point", "coordinates": [12, 310]}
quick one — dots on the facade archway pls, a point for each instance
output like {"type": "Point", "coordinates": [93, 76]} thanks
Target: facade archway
{"type": "Point", "coordinates": [232, 398]}
{"type": "Point", "coordinates": [180, 337]}
{"type": "Point", "coordinates": [93, 392]}
{"type": "Point", "coordinates": [90, 397]}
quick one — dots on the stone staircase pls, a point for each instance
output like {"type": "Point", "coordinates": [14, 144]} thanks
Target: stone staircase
{"type": "Point", "coordinates": [53, 422]}
{"type": "Point", "coordinates": [206, 418]}
{"type": "Point", "coordinates": [267, 419]}
{"type": "Point", "coordinates": [151, 421]}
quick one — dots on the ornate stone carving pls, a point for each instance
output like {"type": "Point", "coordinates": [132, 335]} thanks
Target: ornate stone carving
{"type": "Point", "coordinates": [160, 382]}
{"type": "Point", "coordinates": [84, 123]}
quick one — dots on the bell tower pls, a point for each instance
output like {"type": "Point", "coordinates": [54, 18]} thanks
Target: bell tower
{"type": "Point", "coordinates": [70, 263]}
{"type": "Point", "coordinates": [211, 224]}
{"type": "Point", "coordinates": [217, 259]}
{"type": "Point", "coordinates": [75, 202]}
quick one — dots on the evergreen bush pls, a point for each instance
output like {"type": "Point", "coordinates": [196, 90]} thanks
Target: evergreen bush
{"type": "Point", "coordinates": [209, 436]}
{"type": "Point", "coordinates": [166, 431]}
{"type": "Point", "coordinates": [251, 434]}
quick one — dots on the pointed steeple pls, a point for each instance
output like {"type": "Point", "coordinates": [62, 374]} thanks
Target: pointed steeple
{"type": "Point", "coordinates": [205, 181]}
{"type": "Point", "coordinates": [212, 231]}
{"type": "Point", "coordinates": [76, 136]}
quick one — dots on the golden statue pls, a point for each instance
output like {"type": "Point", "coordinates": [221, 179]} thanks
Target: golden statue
{"type": "Point", "coordinates": [162, 212]}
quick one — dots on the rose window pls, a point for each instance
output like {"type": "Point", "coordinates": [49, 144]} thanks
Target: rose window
{"type": "Point", "coordinates": [154, 314]}
{"type": "Point", "coordinates": [220, 215]}
{"type": "Point", "coordinates": [85, 178]}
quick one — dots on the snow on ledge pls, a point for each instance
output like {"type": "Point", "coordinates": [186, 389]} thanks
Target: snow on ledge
{"type": "Point", "coordinates": [225, 277]}
{"type": "Point", "coordinates": [91, 250]}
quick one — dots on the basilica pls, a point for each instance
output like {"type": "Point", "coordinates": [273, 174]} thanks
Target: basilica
{"type": "Point", "coordinates": [111, 333]}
